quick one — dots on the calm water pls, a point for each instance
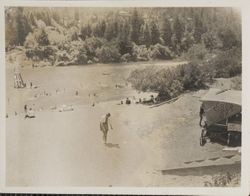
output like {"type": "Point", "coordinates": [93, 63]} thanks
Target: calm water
{"type": "Point", "coordinates": [58, 85]}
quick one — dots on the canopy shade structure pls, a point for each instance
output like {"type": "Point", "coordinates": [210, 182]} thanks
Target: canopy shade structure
{"type": "Point", "coordinates": [219, 105]}
{"type": "Point", "coordinates": [225, 96]}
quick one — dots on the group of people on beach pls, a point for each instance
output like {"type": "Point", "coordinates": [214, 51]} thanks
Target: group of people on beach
{"type": "Point", "coordinates": [128, 101]}
{"type": "Point", "coordinates": [29, 113]}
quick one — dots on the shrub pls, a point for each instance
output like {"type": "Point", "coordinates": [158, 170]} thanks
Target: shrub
{"type": "Point", "coordinates": [223, 180]}
{"type": "Point", "coordinates": [211, 40]}
{"type": "Point", "coordinates": [236, 83]}
{"type": "Point", "coordinates": [226, 63]}
{"type": "Point", "coordinates": [176, 88]}
{"type": "Point", "coordinates": [81, 57]}
{"type": "Point", "coordinates": [126, 57]}
{"type": "Point", "coordinates": [229, 38]}
{"type": "Point", "coordinates": [29, 53]}
{"type": "Point", "coordinates": [43, 39]}
{"type": "Point", "coordinates": [41, 52]}
{"type": "Point", "coordinates": [168, 82]}
{"type": "Point", "coordinates": [162, 81]}
{"type": "Point", "coordinates": [108, 54]}
{"type": "Point", "coordinates": [48, 51]}
{"type": "Point", "coordinates": [191, 76]}
{"type": "Point", "coordinates": [142, 79]}
{"type": "Point", "coordinates": [140, 53]}
{"type": "Point", "coordinates": [159, 51]}
{"type": "Point", "coordinates": [62, 55]}
{"type": "Point", "coordinates": [90, 45]}
{"type": "Point", "coordinates": [197, 52]}
{"type": "Point", "coordinates": [30, 41]}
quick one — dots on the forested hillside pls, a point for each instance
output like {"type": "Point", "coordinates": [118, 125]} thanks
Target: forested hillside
{"type": "Point", "coordinates": [64, 36]}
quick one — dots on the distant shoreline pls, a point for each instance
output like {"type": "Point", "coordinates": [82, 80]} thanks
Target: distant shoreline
{"type": "Point", "coordinates": [153, 62]}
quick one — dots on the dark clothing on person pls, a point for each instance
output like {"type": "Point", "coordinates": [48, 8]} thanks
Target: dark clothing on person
{"type": "Point", "coordinates": [201, 111]}
{"type": "Point", "coordinates": [128, 101]}
{"type": "Point", "coordinates": [25, 108]}
{"type": "Point", "coordinates": [201, 115]}
{"type": "Point", "coordinates": [104, 129]}
{"type": "Point", "coordinates": [104, 126]}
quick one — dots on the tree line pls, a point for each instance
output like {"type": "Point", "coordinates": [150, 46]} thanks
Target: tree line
{"type": "Point", "coordinates": [174, 30]}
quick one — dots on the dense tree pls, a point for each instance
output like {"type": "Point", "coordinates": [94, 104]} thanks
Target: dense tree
{"type": "Point", "coordinates": [210, 40]}
{"type": "Point", "coordinates": [136, 23]}
{"type": "Point", "coordinates": [228, 38]}
{"type": "Point", "coordinates": [56, 17]}
{"type": "Point", "coordinates": [99, 29]}
{"type": "Point", "coordinates": [198, 29]}
{"type": "Point", "coordinates": [145, 38]}
{"type": "Point", "coordinates": [76, 15]}
{"type": "Point", "coordinates": [187, 41]}
{"type": "Point", "coordinates": [108, 54]}
{"type": "Point", "coordinates": [136, 33]}
{"type": "Point", "coordinates": [167, 32]}
{"type": "Point", "coordinates": [86, 31]}
{"type": "Point", "coordinates": [32, 20]}
{"type": "Point", "coordinates": [11, 35]}
{"type": "Point", "coordinates": [22, 27]}
{"type": "Point", "coordinates": [178, 30]}
{"type": "Point", "coordinates": [125, 44]}
{"type": "Point", "coordinates": [155, 33]}
{"type": "Point", "coordinates": [43, 38]}
{"type": "Point", "coordinates": [111, 31]}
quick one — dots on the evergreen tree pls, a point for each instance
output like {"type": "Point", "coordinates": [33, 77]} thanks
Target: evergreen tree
{"type": "Point", "coordinates": [47, 19]}
{"type": "Point", "coordinates": [228, 38]}
{"type": "Point", "coordinates": [155, 33]}
{"type": "Point", "coordinates": [115, 28]}
{"type": "Point", "coordinates": [198, 29]}
{"type": "Point", "coordinates": [167, 32]}
{"type": "Point", "coordinates": [145, 37]}
{"type": "Point", "coordinates": [86, 32]}
{"type": "Point", "coordinates": [10, 30]}
{"type": "Point", "coordinates": [124, 39]}
{"type": "Point", "coordinates": [10, 34]}
{"type": "Point", "coordinates": [109, 32]}
{"type": "Point", "coordinates": [178, 30]}
{"type": "Point", "coordinates": [187, 41]}
{"type": "Point", "coordinates": [102, 28]}
{"type": "Point", "coordinates": [136, 23]}
{"type": "Point", "coordinates": [22, 26]}
{"type": "Point", "coordinates": [99, 29]}
{"type": "Point", "coordinates": [32, 20]}
{"type": "Point", "coordinates": [56, 17]}
{"type": "Point", "coordinates": [210, 40]}
{"type": "Point", "coordinates": [76, 14]}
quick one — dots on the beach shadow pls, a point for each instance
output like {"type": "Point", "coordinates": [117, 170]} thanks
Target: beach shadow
{"type": "Point", "coordinates": [110, 145]}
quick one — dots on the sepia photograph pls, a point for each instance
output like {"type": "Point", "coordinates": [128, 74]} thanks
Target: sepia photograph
{"type": "Point", "coordinates": [123, 96]}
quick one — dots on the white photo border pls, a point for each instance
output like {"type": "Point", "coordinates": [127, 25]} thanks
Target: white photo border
{"type": "Point", "coordinates": [244, 189]}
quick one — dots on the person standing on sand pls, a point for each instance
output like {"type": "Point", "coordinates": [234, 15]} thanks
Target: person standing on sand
{"type": "Point", "coordinates": [25, 109]}
{"type": "Point", "coordinates": [104, 126]}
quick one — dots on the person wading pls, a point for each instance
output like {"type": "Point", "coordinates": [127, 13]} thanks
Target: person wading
{"type": "Point", "coordinates": [104, 126]}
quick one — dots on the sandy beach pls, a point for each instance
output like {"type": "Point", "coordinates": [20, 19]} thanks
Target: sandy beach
{"type": "Point", "coordinates": [66, 149]}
